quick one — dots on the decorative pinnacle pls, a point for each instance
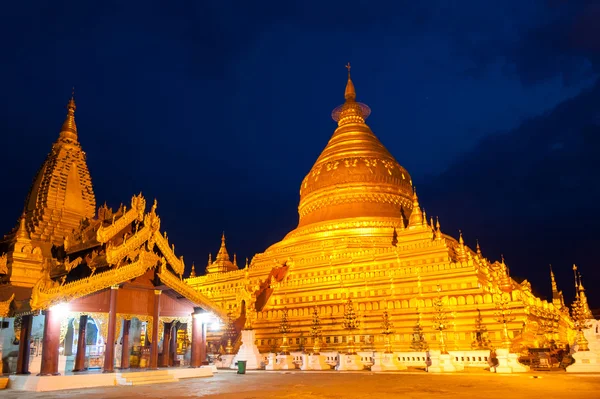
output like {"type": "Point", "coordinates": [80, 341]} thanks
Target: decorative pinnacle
{"type": "Point", "coordinates": [461, 241]}
{"type": "Point", "coordinates": [351, 111]}
{"type": "Point", "coordinates": [69, 128]}
{"type": "Point", "coordinates": [350, 94]}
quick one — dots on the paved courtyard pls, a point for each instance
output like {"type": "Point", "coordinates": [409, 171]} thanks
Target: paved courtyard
{"type": "Point", "coordinates": [331, 385]}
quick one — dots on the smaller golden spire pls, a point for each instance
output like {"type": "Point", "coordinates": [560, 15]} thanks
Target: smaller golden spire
{"type": "Point", "coordinates": [478, 248]}
{"type": "Point", "coordinates": [22, 230]}
{"type": "Point", "coordinates": [246, 263]}
{"type": "Point", "coordinates": [460, 238]}
{"type": "Point", "coordinates": [424, 217]}
{"type": "Point", "coordinates": [209, 259]}
{"type": "Point", "coordinates": [235, 260]}
{"type": "Point", "coordinates": [438, 231]}
{"type": "Point", "coordinates": [416, 217]}
{"type": "Point", "coordinates": [193, 272]}
{"type": "Point", "coordinates": [553, 281]}
{"type": "Point", "coordinates": [576, 281]}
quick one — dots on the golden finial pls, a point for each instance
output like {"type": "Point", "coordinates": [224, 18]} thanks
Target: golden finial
{"type": "Point", "coordinates": [554, 286]}
{"type": "Point", "coordinates": [246, 263]}
{"type": "Point", "coordinates": [478, 247]}
{"type": "Point", "coordinates": [460, 238]}
{"type": "Point", "coordinates": [223, 237]}
{"type": "Point", "coordinates": [209, 259]}
{"type": "Point", "coordinates": [438, 231]}
{"type": "Point", "coordinates": [431, 221]}
{"type": "Point", "coordinates": [235, 260]}
{"type": "Point", "coordinates": [69, 128]}
{"type": "Point", "coordinates": [416, 216]}
{"type": "Point", "coordinates": [350, 94]}
{"type": "Point", "coordinates": [424, 217]}
{"type": "Point", "coordinates": [193, 272]}
{"type": "Point", "coordinates": [22, 230]}
{"type": "Point", "coordinates": [351, 111]}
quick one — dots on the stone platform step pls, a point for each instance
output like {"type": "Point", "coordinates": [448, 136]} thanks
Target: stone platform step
{"type": "Point", "coordinates": [145, 377]}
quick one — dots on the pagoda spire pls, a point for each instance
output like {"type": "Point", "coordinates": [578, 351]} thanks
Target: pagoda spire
{"type": "Point", "coordinates": [438, 231]}
{"type": "Point", "coordinates": [553, 281]}
{"type": "Point", "coordinates": [350, 93]}
{"type": "Point", "coordinates": [209, 259]}
{"type": "Point", "coordinates": [222, 254]}
{"type": "Point", "coordinates": [416, 217]}
{"type": "Point", "coordinates": [478, 248]}
{"type": "Point", "coordinates": [193, 272]}
{"type": "Point", "coordinates": [69, 128]}
{"type": "Point", "coordinates": [351, 111]}
{"type": "Point", "coordinates": [22, 229]}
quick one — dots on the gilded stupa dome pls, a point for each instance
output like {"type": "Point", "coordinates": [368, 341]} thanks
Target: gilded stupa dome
{"type": "Point", "coordinates": [355, 175]}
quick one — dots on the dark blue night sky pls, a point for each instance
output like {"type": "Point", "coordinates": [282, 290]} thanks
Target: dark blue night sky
{"type": "Point", "coordinates": [219, 109]}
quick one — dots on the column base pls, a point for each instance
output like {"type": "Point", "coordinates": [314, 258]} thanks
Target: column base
{"type": "Point", "coordinates": [585, 362]}
{"type": "Point", "coordinates": [349, 362]}
{"type": "Point", "coordinates": [47, 374]}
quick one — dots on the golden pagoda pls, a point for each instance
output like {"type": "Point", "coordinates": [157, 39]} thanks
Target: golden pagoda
{"type": "Point", "coordinates": [61, 194]}
{"type": "Point", "coordinates": [362, 236]}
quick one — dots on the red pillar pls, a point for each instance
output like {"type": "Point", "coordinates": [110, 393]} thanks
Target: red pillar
{"type": "Point", "coordinates": [125, 347]}
{"type": "Point", "coordinates": [203, 358]}
{"type": "Point", "coordinates": [198, 339]}
{"type": "Point", "coordinates": [155, 321]}
{"type": "Point", "coordinates": [80, 356]}
{"type": "Point", "coordinates": [24, 348]}
{"type": "Point", "coordinates": [173, 346]}
{"type": "Point", "coordinates": [109, 352]}
{"type": "Point", "coordinates": [51, 342]}
{"type": "Point", "coordinates": [166, 344]}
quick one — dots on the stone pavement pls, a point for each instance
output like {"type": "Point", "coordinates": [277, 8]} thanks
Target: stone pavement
{"type": "Point", "coordinates": [332, 385]}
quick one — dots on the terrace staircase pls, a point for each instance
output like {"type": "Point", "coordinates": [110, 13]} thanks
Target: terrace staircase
{"type": "Point", "coordinates": [145, 377]}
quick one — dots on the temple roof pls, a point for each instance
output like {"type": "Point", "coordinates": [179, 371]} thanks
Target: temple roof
{"type": "Point", "coordinates": [61, 194]}
{"type": "Point", "coordinates": [222, 262]}
{"type": "Point", "coordinates": [355, 175]}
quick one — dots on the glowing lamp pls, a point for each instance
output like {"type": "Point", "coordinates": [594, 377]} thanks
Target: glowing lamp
{"type": "Point", "coordinates": [60, 309]}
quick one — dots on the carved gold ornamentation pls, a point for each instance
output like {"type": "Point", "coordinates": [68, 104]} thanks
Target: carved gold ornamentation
{"type": "Point", "coordinates": [45, 293]}
{"type": "Point", "coordinates": [70, 265]}
{"type": "Point", "coordinates": [64, 327]}
{"type": "Point", "coordinates": [163, 244]}
{"type": "Point", "coordinates": [138, 207]}
{"type": "Point", "coordinates": [169, 319]}
{"type": "Point", "coordinates": [5, 306]}
{"type": "Point", "coordinates": [101, 320]}
{"type": "Point", "coordinates": [182, 288]}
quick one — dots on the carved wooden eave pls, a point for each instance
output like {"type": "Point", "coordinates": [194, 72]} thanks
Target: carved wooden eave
{"type": "Point", "coordinates": [138, 207]}
{"type": "Point", "coordinates": [163, 244]}
{"type": "Point", "coordinates": [115, 254]}
{"type": "Point", "coordinates": [46, 293]}
{"type": "Point", "coordinates": [176, 284]}
{"type": "Point", "coordinates": [5, 306]}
